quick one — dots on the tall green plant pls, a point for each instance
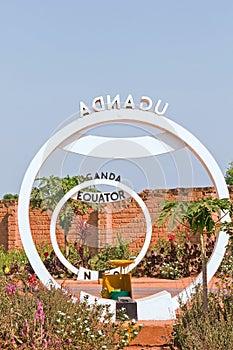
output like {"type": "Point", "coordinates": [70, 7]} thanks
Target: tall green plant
{"type": "Point", "coordinates": [47, 194]}
{"type": "Point", "coordinates": [229, 174]}
{"type": "Point", "coordinates": [204, 217]}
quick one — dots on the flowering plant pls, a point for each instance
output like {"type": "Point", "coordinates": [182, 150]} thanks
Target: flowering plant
{"type": "Point", "coordinates": [48, 319]}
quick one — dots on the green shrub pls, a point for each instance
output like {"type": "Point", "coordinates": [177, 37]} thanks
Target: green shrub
{"type": "Point", "coordinates": [199, 330]}
{"type": "Point", "coordinates": [100, 260]}
{"type": "Point", "coordinates": [171, 270]}
{"type": "Point", "coordinates": [173, 258]}
{"type": "Point", "coordinates": [32, 317]}
{"type": "Point", "coordinates": [227, 265]}
{"type": "Point", "coordinates": [14, 260]}
{"type": "Point", "coordinates": [10, 196]}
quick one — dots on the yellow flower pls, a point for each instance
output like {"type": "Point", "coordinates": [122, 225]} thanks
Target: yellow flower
{"type": "Point", "coordinates": [6, 270]}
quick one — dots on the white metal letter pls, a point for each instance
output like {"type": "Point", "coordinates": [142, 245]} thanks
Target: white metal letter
{"type": "Point", "coordinates": [145, 100]}
{"type": "Point", "coordinates": [98, 104]}
{"type": "Point", "coordinates": [129, 103]}
{"type": "Point", "coordinates": [115, 103]}
{"type": "Point", "coordinates": [156, 110]}
{"type": "Point", "coordinates": [84, 110]}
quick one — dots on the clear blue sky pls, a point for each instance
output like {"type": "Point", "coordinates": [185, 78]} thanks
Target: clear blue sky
{"type": "Point", "coordinates": [56, 53]}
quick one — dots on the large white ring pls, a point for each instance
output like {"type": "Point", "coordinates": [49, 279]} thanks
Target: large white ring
{"type": "Point", "coordinates": [110, 116]}
{"type": "Point", "coordinates": [86, 184]}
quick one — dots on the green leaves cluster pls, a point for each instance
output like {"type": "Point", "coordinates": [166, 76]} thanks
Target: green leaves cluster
{"type": "Point", "coordinates": [120, 251]}
{"type": "Point", "coordinates": [199, 216]}
{"type": "Point", "coordinates": [10, 196]}
{"type": "Point", "coordinates": [204, 217]}
{"type": "Point", "coordinates": [48, 193]}
{"type": "Point", "coordinates": [229, 175]}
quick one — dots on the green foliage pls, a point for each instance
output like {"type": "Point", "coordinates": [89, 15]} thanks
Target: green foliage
{"type": "Point", "coordinates": [12, 261]}
{"type": "Point", "coordinates": [100, 260]}
{"type": "Point", "coordinates": [195, 215]}
{"type": "Point", "coordinates": [40, 319]}
{"type": "Point", "coordinates": [229, 175]}
{"type": "Point", "coordinates": [198, 217]}
{"type": "Point", "coordinates": [226, 267]}
{"type": "Point", "coordinates": [79, 255]}
{"type": "Point", "coordinates": [10, 196]}
{"type": "Point", "coordinates": [49, 191]}
{"type": "Point", "coordinates": [173, 213]}
{"type": "Point", "coordinates": [198, 330]}
{"type": "Point", "coordinates": [173, 258]}
{"type": "Point", "coordinates": [171, 270]}
{"type": "Point", "coordinates": [16, 260]}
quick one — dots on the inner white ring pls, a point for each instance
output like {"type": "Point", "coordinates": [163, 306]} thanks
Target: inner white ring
{"type": "Point", "coordinates": [86, 184]}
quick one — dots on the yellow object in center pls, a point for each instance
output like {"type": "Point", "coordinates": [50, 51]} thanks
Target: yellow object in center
{"type": "Point", "coordinates": [117, 283]}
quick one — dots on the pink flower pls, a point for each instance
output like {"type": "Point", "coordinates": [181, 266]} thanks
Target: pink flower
{"type": "Point", "coordinates": [10, 289]}
{"type": "Point", "coordinates": [40, 313]}
{"type": "Point", "coordinates": [27, 326]}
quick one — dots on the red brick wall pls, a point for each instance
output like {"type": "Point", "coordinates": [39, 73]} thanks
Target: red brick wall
{"type": "Point", "coordinates": [9, 231]}
{"type": "Point", "coordinates": [4, 216]}
{"type": "Point", "coordinates": [40, 228]}
{"type": "Point", "coordinates": [127, 220]}
{"type": "Point", "coordinates": [123, 218]}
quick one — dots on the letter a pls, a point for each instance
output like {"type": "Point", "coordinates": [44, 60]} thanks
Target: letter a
{"type": "Point", "coordinates": [84, 110]}
{"type": "Point", "coordinates": [129, 103]}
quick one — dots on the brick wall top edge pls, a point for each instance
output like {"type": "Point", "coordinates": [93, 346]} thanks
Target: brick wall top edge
{"type": "Point", "coordinates": [147, 191]}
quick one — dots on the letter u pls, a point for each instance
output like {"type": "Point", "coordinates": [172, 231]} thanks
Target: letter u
{"type": "Point", "coordinates": [156, 110]}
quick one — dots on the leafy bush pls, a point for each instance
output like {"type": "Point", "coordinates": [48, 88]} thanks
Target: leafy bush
{"type": "Point", "coordinates": [226, 267]}
{"type": "Point", "coordinates": [197, 329]}
{"type": "Point", "coordinates": [13, 261]}
{"type": "Point", "coordinates": [171, 270]}
{"type": "Point", "coordinates": [32, 317]}
{"type": "Point", "coordinates": [100, 260]}
{"type": "Point", "coordinates": [10, 196]}
{"type": "Point", "coordinates": [172, 258]}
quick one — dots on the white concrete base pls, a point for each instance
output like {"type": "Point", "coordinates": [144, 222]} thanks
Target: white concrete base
{"type": "Point", "coordinates": [156, 307]}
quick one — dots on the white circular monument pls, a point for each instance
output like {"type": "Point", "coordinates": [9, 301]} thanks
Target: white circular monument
{"type": "Point", "coordinates": [70, 138]}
